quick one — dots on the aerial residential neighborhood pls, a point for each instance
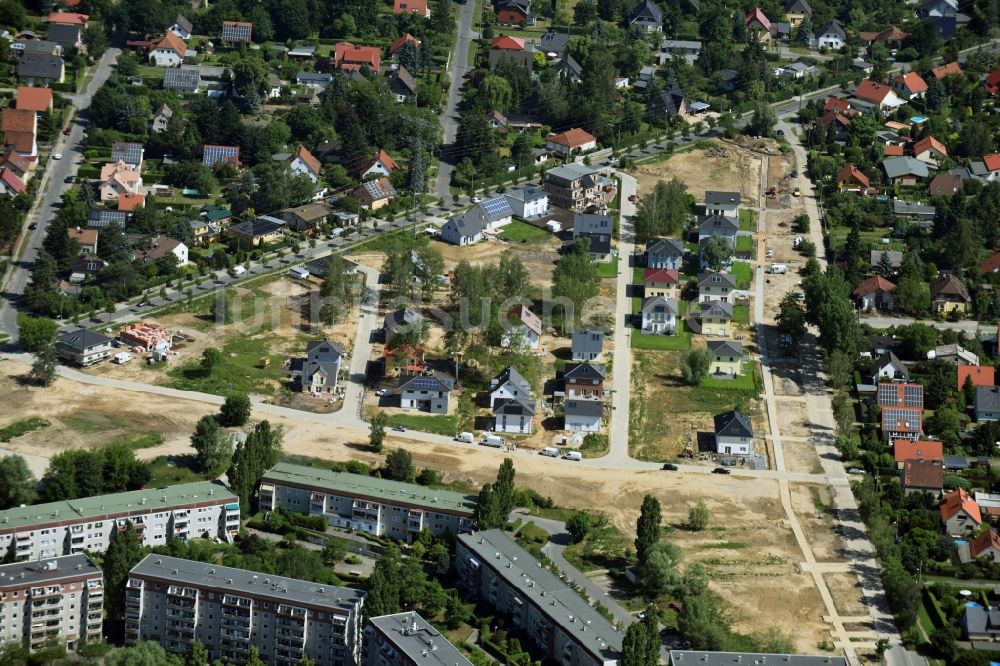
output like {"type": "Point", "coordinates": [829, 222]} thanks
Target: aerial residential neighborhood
{"type": "Point", "coordinates": [596, 333]}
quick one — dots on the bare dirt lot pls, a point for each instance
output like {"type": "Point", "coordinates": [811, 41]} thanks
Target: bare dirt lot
{"type": "Point", "coordinates": [726, 167]}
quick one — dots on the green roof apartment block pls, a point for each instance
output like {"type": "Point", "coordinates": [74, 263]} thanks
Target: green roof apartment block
{"type": "Point", "coordinates": [157, 514]}
{"type": "Point", "coordinates": [365, 503]}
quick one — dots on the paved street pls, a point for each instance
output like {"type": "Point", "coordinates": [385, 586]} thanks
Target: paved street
{"type": "Point", "coordinates": [451, 154]}
{"type": "Point", "coordinates": [51, 187]}
{"type": "Point", "coordinates": [622, 367]}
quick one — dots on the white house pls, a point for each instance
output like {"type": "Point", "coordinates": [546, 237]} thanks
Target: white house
{"type": "Point", "coordinates": [659, 315]}
{"type": "Point", "coordinates": [461, 231]}
{"type": "Point", "coordinates": [318, 371]}
{"type": "Point", "coordinates": [492, 213]}
{"type": "Point", "coordinates": [427, 393]}
{"type": "Point", "coordinates": [733, 434]}
{"type": "Point", "coordinates": [715, 287]}
{"type": "Point", "coordinates": [583, 415]}
{"type": "Point", "coordinates": [509, 385]}
{"type": "Point", "coordinates": [167, 51]}
{"type": "Point", "coordinates": [160, 247]}
{"type": "Point", "coordinates": [888, 368]}
{"type": "Point", "coordinates": [513, 416]}
{"type": "Point", "coordinates": [527, 201]}
{"type": "Point", "coordinates": [181, 27]}
{"type": "Point", "coordinates": [303, 162]}
{"type": "Point", "coordinates": [667, 253]}
{"type": "Point", "coordinates": [831, 36]}
{"type": "Point", "coordinates": [525, 325]}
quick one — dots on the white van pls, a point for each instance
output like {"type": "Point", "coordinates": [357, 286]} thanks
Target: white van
{"type": "Point", "coordinates": [298, 273]}
{"type": "Point", "coordinates": [780, 269]}
{"type": "Point", "coordinates": [466, 437]}
{"type": "Point", "coordinates": [122, 358]}
{"type": "Point", "coordinates": [239, 269]}
{"type": "Point", "coordinates": [573, 455]}
{"type": "Point", "coordinates": [550, 451]}
{"type": "Point", "coordinates": [494, 441]}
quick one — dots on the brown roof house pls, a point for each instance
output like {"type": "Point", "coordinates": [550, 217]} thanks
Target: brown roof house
{"type": "Point", "coordinates": [875, 293]}
{"type": "Point", "coordinates": [851, 179]}
{"type": "Point", "coordinates": [948, 294]}
{"type": "Point", "coordinates": [945, 185]}
{"type": "Point", "coordinates": [923, 476]}
{"type": "Point", "coordinates": [20, 127]}
{"type": "Point", "coordinates": [584, 380]}
{"type": "Point", "coordinates": [524, 323]}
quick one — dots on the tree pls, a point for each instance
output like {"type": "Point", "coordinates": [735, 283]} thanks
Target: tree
{"type": "Point", "coordinates": [124, 552]}
{"type": "Point", "coordinates": [145, 653]}
{"type": "Point", "coordinates": [912, 295]}
{"type": "Point", "coordinates": [717, 251]}
{"type": "Point", "coordinates": [209, 359]}
{"type": "Point", "coordinates": [17, 485]}
{"type": "Point", "coordinates": [969, 390]}
{"type": "Point", "coordinates": [698, 516]}
{"type": "Point", "coordinates": [504, 487]}
{"type": "Point", "coordinates": [634, 646]}
{"type": "Point", "coordinates": [384, 585]}
{"type": "Point", "coordinates": [660, 571]}
{"type": "Point", "coordinates": [762, 121]}
{"type": "Point", "coordinates": [399, 466]}
{"type": "Point", "coordinates": [696, 366]}
{"type": "Point", "coordinates": [575, 279]}
{"type": "Point", "coordinates": [212, 444]}
{"type": "Point", "coordinates": [791, 317]}
{"type": "Point", "coordinates": [829, 308]}
{"type": "Point", "coordinates": [647, 528]}
{"type": "Point", "coordinates": [198, 655]}
{"type": "Point", "coordinates": [252, 458]}
{"type": "Point", "coordinates": [578, 526]}
{"type": "Point", "coordinates": [376, 431]}
{"type": "Point", "coordinates": [235, 411]}
{"type": "Point", "coordinates": [46, 366]}
{"type": "Point", "coordinates": [253, 657]}
{"type": "Point", "coordinates": [664, 211]}
{"type": "Point", "coordinates": [36, 333]}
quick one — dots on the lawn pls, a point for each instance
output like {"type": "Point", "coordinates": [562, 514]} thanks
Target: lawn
{"type": "Point", "coordinates": [522, 232]}
{"type": "Point", "coordinates": [679, 342]}
{"type": "Point", "coordinates": [22, 427]}
{"type": "Point", "coordinates": [741, 314]}
{"type": "Point", "coordinates": [743, 274]}
{"type": "Point", "coordinates": [237, 371]}
{"type": "Point", "coordinates": [85, 423]}
{"type": "Point", "coordinates": [168, 471]}
{"type": "Point", "coordinates": [441, 424]}
{"type": "Point", "coordinates": [609, 269]}
{"type": "Point", "coordinates": [744, 244]}
{"type": "Point", "coordinates": [748, 382]}
{"type": "Point", "coordinates": [748, 220]}
{"type": "Point", "coordinates": [604, 548]}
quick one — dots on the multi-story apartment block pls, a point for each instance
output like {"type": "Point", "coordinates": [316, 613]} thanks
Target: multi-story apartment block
{"type": "Point", "coordinates": [51, 602]}
{"type": "Point", "coordinates": [158, 514]}
{"type": "Point", "coordinates": [578, 187]}
{"type": "Point", "coordinates": [406, 639]}
{"type": "Point", "coordinates": [493, 568]}
{"type": "Point", "coordinates": [176, 602]}
{"type": "Point", "coordinates": [377, 506]}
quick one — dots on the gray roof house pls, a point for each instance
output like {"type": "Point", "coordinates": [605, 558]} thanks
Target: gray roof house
{"type": "Point", "coordinates": [913, 210]}
{"type": "Point", "coordinates": [554, 42]}
{"type": "Point", "coordinates": [715, 287]}
{"type": "Point", "coordinates": [318, 371]}
{"type": "Point", "coordinates": [679, 48]}
{"type": "Point", "coordinates": [722, 203]}
{"type": "Point", "coordinates": [718, 225]}
{"type": "Point", "coordinates": [980, 624]}
{"type": "Point", "coordinates": [646, 16]}
{"type": "Point", "coordinates": [905, 170]}
{"type": "Point", "coordinates": [798, 7]}
{"type": "Point", "coordinates": [598, 228]}
{"type": "Point", "coordinates": [129, 152]}
{"type": "Point", "coordinates": [895, 257]}
{"type": "Point", "coordinates": [588, 344]}
{"type": "Point", "coordinates": [38, 67]}
{"type": "Point", "coordinates": [509, 384]}
{"type": "Point", "coordinates": [427, 393]}
{"type": "Point", "coordinates": [889, 367]}
{"type": "Point", "coordinates": [463, 230]}
{"type": "Point", "coordinates": [671, 103]}
{"type": "Point", "coordinates": [733, 434]}
{"type": "Point", "coordinates": [314, 79]}
{"type": "Point", "coordinates": [513, 415]}
{"type": "Point", "coordinates": [407, 638]}
{"type": "Point", "coordinates": [83, 347]}
{"type": "Point", "coordinates": [182, 81]}
{"type": "Point", "coordinates": [401, 321]}
{"type": "Point", "coordinates": [664, 253]}
{"type": "Point", "coordinates": [659, 315]}
{"type": "Point", "coordinates": [987, 403]}
{"type": "Point", "coordinates": [66, 34]}
{"type": "Point", "coordinates": [583, 415]}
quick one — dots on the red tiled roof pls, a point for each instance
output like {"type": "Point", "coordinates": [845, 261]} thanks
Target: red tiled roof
{"type": "Point", "coordinates": [944, 185]}
{"type": "Point", "coordinates": [507, 43]}
{"type": "Point", "coordinates": [573, 138]}
{"type": "Point", "coordinates": [68, 18]}
{"type": "Point", "coordinates": [836, 104]}
{"type": "Point", "coordinates": [893, 151]}
{"type": "Point", "coordinates": [410, 7]}
{"type": "Point", "coordinates": [849, 171]}
{"type": "Point", "coordinates": [990, 264]}
{"type": "Point", "coordinates": [927, 474]}
{"type": "Point", "coordinates": [832, 116]}
{"type": "Point", "coordinates": [903, 450]}
{"type": "Point", "coordinates": [912, 82]}
{"type": "Point", "coordinates": [170, 41]}
{"type": "Point", "coordinates": [952, 68]}
{"type": "Point", "coordinates": [873, 284]}
{"type": "Point", "coordinates": [929, 143]}
{"type": "Point", "coordinates": [129, 201]}
{"type": "Point", "coordinates": [348, 56]}
{"type": "Point", "coordinates": [870, 91]}
{"type": "Point", "coordinates": [11, 180]}
{"type": "Point", "coordinates": [303, 154]}
{"type": "Point", "coordinates": [757, 14]}
{"type": "Point", "coordinates": [993, 82]}
{"type": "Point", "coordinates": [18, 120]}
{"type": "Point", "coordinates": [985, 541]}
{"type": "Point", "coordinates": [660, 275]}
{"type": "Point", "coordinates": [83, 236]}
{"type": "Point", "coordinates": [992, 162]}
{"type": "Point", "coordinates": [890, 34]}
{"type": "Point", "coordinates": [401, 41]}
{"type": "Point", "coordinates": [384, 158]}
{"type": "Point", "coordinates": [38, 100]}
{"type": "Point", "coordinates": [981, 375]}
{"type": "Point", "coordinates": [959, 500]}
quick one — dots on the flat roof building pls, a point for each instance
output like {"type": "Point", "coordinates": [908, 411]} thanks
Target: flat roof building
{"type": "Point", "coordinates": [493, 568]}
{"type": "Point", "coordinates": [406, 639]}
{"type": "Point", "coordinates": [700, 658]}
{"type": "Point", "coordinates": [51, 602]}
{"type": "Point", "coordinates": [88, 523]}
{"type": "Point", "coordinates": [377, 506]}
{"type": "Point", "coordinates": [176, 602]}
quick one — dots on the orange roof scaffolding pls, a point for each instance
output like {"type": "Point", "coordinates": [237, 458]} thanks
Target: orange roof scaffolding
{"type": "Point", "coordinates": [148, 336]}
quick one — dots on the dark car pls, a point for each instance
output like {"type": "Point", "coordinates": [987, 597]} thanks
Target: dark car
{"type": "Point", "coordinates": [67, 131]}
{"type": "Point", "coordinates": [795, 174]}
{"type": "Point", "coordinates": [399, 428]}
{"type": "Point", "coordinates": [33, 226]}
{"type": "Point", "coordinates": [670, 467]}
{"type": "Point", "coordinates": [721, 470]}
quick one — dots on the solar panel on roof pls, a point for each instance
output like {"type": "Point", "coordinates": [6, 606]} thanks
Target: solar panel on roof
{"type": "Point", "coordinates": [496, 208]}
{"type": "Point", "coordinates": [913, 395]}
{"type": "Point", "coordinates": [901, 419]}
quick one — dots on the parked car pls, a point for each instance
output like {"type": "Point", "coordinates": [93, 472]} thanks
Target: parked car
{"type": "Point", "coordinates": [382, 392]}
{"type": "Point", "coordinates": [67, 131]}
{"type": "Point", "coordinates": [57, 156]}
{"type": "Point", "coordinates": [721, 470]}
{"type": "Point", "coordinates": [476, 200]}
{"type": "Point", "coordinates": [670, 467]}
{"type": "Point", "coordinates": [33, 226]}
{"type": "Point", "coordinates": [399, 428]}
{"type": "Point", "coordinates": [855, 470]}
{"type": "Point", "coordinates": [795, 174]}
{"type": "Point", "coordinates": [797, 192]}
{"type": "Point", "coordinates": [633, 198]}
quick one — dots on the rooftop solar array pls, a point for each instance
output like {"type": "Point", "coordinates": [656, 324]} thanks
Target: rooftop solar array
{"type": "Point", "coordinates": [496, 208]}
{"type": "Point", "coordinates": [127, 151]}
{"type": "Point", "coordinates": [901, 419]}
{"type": "Point", "coordinates": [216, 154]}
{"type": "Point", "coordinates": [906, 395]}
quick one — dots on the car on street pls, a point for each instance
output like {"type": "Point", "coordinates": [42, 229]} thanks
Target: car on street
{"type": "Point", "coordinates": [855, 470]}
{"type": "Point", "coordinates": [57, 156]}
{"type": "Point", "coordinates": [33, 226]}
{"type": "Point", "coordinates": [612, 160]}
{"type": "Point", "coordinates": [633, 198]}
{"type": "Point", "coordinates": [670, 467]}
{"type": "Point", "coordinates": [382, 392]}
{"type": "Point", "coordinates": [67, 131]}
{"type": "Point", "coordinates": [70, 179]}
{"type": "Point", "coordinates": [399, 428]}
{"type": "Point", "coordinates": [797, 192]}
{"type": "Point", "coordinates": [795, 174]}
{"type": "Point", "coordinates": [476, 200]}
{"type": "Point", "coordinates": [721, 470]}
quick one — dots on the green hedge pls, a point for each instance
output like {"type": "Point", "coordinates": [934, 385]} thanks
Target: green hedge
{"type": "Point", "coordinates": [936, 614]}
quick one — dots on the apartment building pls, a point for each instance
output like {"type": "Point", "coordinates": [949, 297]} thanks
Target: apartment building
{"type": "Point", "coordinates": [578, 187]}
{"type": "Point", "coordinates": [406, 639]}
{"type": "Point", "coordinates": [377, 506]}
{"type": "Point", "coordinates": [176, 602]}
{"type": "Point", "coordinates": [73, 526]}
{"type": "Point", "coordinates": [51, 602]}
{"type": "Point", "coordinates": [491, 567]}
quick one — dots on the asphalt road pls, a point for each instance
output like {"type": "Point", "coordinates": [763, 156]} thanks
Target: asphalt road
{"type": "Point", "coordinates": [52, 186]}
{"type": "Point", "coordinates": [621, 381]}
{"type": "Point", "coordinates": [450, 152]}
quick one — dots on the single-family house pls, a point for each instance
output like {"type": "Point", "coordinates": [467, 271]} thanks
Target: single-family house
{"type": "Point", "coordinates": [909, 85]}
{"type": "Point", "coordinates": [905, 171]}
{"type": "Point", "coordinates": [527, 201]}
{"type": "Point", "coordinates": [513, 416]}
{"type": "Point", "coordinates": [318, 371]}
{"type": "Point", "coordinates": [874, 294]}
{"type": "Point", "coordinates": [722, 226]}
{"type": "Point", "coordinates": [86, 239]}
{"type": "Point", "coordinates": [380, 165]}
{"type": "Point", "coordinates": [578, 187]}
{"type": "Point", "coordinates": [929, 151]}
{"type": "Point", "coordinates": [66, 29]}
{"type": "Point", "coordinates": [923, 476]}
{"type": "Point", "coordinates": [671, 103]}
{"type": "Point", "coordinates": [374, 194]}
{"type": "Point", "coordinates": [398, 43]}
{"type": "Point", "coordinates": [568, 68]}
{"type": "Point", "coordinates": [318, 80]}
{"type": "Point", "coordinates": [303, 162]}
{"type": "Point", "coordinates": [512, 50]}
{"type": "Point", "coordinates": [924, 449]}
{"type": "Point", "coordinates": [494, 213]}
{"type": "Point", "coordinates": [129, 201]}
{"type": "Point", "coordinates": [525, 328]}
{"type": "Point", "coordinates": [20, 131]}
{"type": "Point", "coordinates": [598, 230]}
{"type": "Point", "coordinates": [85, 266]}
{"type": "Point", "coordinates": [181, 27]}
{"type": "Point", "coordinates": [587, 344]}
{"type": "Point", "coordinates": [959, 513]}
{"type": "Point", "coordinates": [308, 217]}
{"type": "Point", "coordinates": [687, 49]}
{"type": "Point", "coordinates": [41, 68]}
{"type": "Point", "coordinates": [659, 315]}
{"type": "Point", "coordinates": [902, 407]}
{"type": "Point", "coordinates": [665, 253]}
{"type": "Point", "coordinates": [756, 23]}
{"type": "Point", "coordinates": [418, 7]}
{"type": "Point", "coordinates": [463, 230]}
{"type": "Point", "coordinates": [796, 70]}
{"type": "Point", "coordinates": [876, 95]}
{"type": "Point", "coordinates": [509, 384]}
{"type": "Point", "coordinates": [158, 247]}
{"type": "Point", "coordinates": [978, 623]}
{"type": "Point", "coordinates": [987, 407]}
{"type": "Point", "coordinates": [236, 31]}
{"type": "Point", "coordinates": [953, 353]}
{"type": "Point", "coordinates": [167, 51]}
{"type": "Point", "coordinates": [118, 178]}
{"type": "Point", "coordinates": [261, 230]}
{"type": "Point", "coordinates": [571, 141]}
{"type": "Point", "coordinates": [985, 170]}
{"type": "Point", "coordinates": [715, 287]}
{"type": "Point", "coordinates": [722, 203]}
{"type": "Point", "coordinates": [10, 183]}
{"type": "Point", "coordinates": [835, 124]}
{"type": "Point", "coordinates": [183, 80]}
{"type": "Point", "coordinates": [948, 69]}
{"type": "Point", "coordinates": [100, 218]}
{"type": "Point", "coordinates": [949, 294]}
{"type": "Point", "coordinates": [831, 36]}
{"type": "Point", "coordinates": [402, 322]}
{"type": "Point", "coordinates": [888, 368]}
{"type": "Point", "coordinates": [83, 347]}
{"type": "Point", "coordinates": [212, 155]}
{"type": "Point", "coordinates": [851, 179]}
{"type": "Point", "coordinates": [945, 185]}
{"type": "Point", "coordinates": [17, 164]}
{"type": "Point", "coordinates": [797, 10]}
{"type": "Point", "coordinates": [584, 380]}
{"type": "Point", "coordinates": [992, 82]}
{"type": "Point", "coordinates": [715, 318]}
{"type": "Point", "coordinates": [130, 153]}
{"type": "Point", "coordinates": [403, 85]}
{"type": "Point", "coordinates": [30, 98]}
{"type": "Point", "coordinates": [426, 393]}
{"type": "Point", "coordinates": [987, 545]}
{"type": "Point", "coordinates": [733, 434]}
{"type": "Point", "coordinates": [661, 282]}
{"type": "Point", "coordinates": [979, 375]}
{"type": "Point", "coordinates": [161, 119]}
{"type": "Point", "coordinates": [646, 16]}
{"type": "Point", "coordinates": [893, 257]}
{"type": "Point", "coordinates": [892, 37]}
{"type": "Point", "coordinates": [726, 357]}
{"type": "Point", "coordinates": [583, 415]}
{"type": "Point", "coordinates": [514, 12]}
{"type": "Point", "coordinates": [351, 57]}
{"type": "Point", "coordinates": [554, 42]}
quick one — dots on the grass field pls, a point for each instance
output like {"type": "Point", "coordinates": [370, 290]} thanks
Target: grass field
{"type": "Point", "coordinates": [522, 232]}
{"type": "Point", "coordinates": [22, 427]}
{"type": "Point", "coordinates": [442, 424]}
{"type": "Point", "coordinates": [609, 269]}
{"type": "Point", "coordinates": [679, 342]}
{"type": "Point", "coordinates": [748, 220]}
{"type": "Point", "coordinates": [741, 314]}
{"type": "Point", "coordinates": [604, 548]}
{"type": "Point", "coordinates": [748, 382]}
{"type": "Point", "coordinates": [743, 273]}
{"type": "Point", "coordinates": [744, 244]}
{"type": "Point", "coordinates": [237, 371]}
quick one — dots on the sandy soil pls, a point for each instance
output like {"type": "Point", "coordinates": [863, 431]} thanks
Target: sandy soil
{"type": "Point", "coordinates": [846, 591]}
{"type": "Point", "coordinates": [727, 168]}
